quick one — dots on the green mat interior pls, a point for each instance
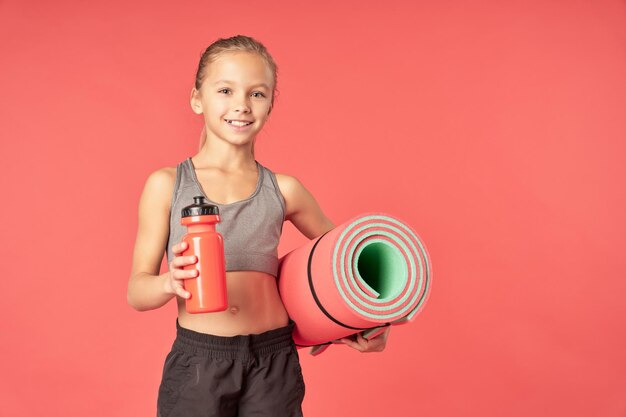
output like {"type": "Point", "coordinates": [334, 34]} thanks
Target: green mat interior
{"type": "Point", "coordinates": [382, 267]}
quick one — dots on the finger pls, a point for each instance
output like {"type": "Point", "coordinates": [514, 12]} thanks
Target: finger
{"type": "Point", "coordinates": [181, 292]}
{"type": "Point", "coordinates": [363, 342]}
{"type": "Point", "coordinates": [185, 260]}
{"type": "Point", "coordinates": [179, 247]}
{"type": "Point", "coordinates": [354, 345]}
{"type": "Point", "coordinates": [349, 342]}
{"type": "Point", "coordinates": [185, 273]}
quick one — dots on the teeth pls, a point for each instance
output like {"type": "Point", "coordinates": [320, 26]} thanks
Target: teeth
{"type": "Point", "coordinates": [237, 123]}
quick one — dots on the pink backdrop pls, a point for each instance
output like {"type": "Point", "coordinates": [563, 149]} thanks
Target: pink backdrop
{"type": "Point", "coordinates": [496, 129]}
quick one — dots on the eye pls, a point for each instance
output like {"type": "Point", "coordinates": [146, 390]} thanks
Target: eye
{"type": "Point", "coordinates": [223, 89]}
{"type": "Point", "coordinates": [258, 92]}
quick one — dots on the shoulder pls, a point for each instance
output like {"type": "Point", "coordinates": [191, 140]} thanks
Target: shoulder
{"type": "Point", "coordinates": [162, 177]}
{"type": "Point", "coordinates": [301, 207]}
{"type": "Point", "coordinates": [287, 183]}
{"type": "Point", "coordinates": [297, 196]}
{"type": "Point", "coordinates": [290, 186]}
{"type": "Point", "coordinates": [159, 186]}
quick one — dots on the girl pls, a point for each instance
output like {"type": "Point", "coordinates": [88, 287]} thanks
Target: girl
{"type": "Point", "coordinates": [241, 361]}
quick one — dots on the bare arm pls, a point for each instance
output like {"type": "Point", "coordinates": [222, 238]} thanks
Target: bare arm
{"type": "Point", "coordinates": [302, 209]}
{"type": "Point", "coordinates": [146, 288]}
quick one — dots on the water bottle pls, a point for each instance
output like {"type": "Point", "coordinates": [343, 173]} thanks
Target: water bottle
{"type": "Point", "coordinates": [208, 289]}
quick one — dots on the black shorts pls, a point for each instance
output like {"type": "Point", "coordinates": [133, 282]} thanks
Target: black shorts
{"type": "Point", "coordinates": [205, 375]}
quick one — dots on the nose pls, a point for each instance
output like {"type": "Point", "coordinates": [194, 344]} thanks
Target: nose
{"type": "Point", "coordinates": [242, 104]}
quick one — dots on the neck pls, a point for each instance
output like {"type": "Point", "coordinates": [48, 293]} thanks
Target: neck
{"type": "Point", "coordinates": [226, 156]}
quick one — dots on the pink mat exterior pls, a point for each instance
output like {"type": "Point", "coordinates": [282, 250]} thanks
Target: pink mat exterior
{"type": "Point", "coordinates": [313, 326]}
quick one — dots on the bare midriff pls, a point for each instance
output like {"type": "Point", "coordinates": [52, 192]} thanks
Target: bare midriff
{"type": "Point", "coordinates": [254, 306]}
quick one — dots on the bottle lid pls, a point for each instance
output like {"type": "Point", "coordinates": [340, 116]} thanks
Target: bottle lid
{"type": "Point", "coordinates": [200, 207]}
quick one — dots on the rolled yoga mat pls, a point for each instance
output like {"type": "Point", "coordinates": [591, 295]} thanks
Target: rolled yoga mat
{"type": "Point", "coordinates": [370, 272]}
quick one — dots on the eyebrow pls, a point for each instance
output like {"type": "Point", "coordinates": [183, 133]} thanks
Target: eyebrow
{"type": "Point", "coordinates": [255, 85]}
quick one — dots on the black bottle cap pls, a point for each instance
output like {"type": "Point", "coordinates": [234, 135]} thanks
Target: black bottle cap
{"type": "Point", "coordinates": [199, 208]}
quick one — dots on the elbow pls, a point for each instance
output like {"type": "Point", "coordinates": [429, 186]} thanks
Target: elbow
{"type": "Point", "coordinates": [328, 225]}
{"type": "Point", "coordinates": [131, 300]}
{"type": "Point", "coordinates": [133, 305]}
{"type": "Point", "coordinates": [325, 228]}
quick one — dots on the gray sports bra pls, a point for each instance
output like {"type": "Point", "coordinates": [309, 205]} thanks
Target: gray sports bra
{"type": "Point", "coordinates": [251, 228]}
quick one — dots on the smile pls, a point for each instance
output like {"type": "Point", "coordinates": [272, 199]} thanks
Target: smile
{"type": "Point", "coordinates": [238, 123]}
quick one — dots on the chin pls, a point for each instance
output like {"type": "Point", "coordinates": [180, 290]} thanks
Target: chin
{"type": "Point", "coordinates": [234, 141]}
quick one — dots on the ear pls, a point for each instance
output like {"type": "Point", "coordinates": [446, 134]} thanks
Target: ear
{"type": "Point", "coordinates": [194, 101]}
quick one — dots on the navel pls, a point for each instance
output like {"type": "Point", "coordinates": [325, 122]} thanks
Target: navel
{"type": "Point", "coordinates": [234, 309]}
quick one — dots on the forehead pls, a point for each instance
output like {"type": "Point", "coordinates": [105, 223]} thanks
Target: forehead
{"type": "Point", "coordinates": [239, 68]}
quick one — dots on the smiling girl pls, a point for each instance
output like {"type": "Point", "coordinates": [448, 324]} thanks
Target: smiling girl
{"type": "Point", "coordinates": [242, 361]}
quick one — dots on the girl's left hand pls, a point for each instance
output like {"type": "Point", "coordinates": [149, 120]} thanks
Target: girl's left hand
{"type": "Point", "coordinates": [363, 345]}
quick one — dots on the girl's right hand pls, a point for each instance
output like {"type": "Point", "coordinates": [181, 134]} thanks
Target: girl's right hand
{"type": "Point", "coordinates": [176, 275]}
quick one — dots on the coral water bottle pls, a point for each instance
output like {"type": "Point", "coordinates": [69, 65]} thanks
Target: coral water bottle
{"type": "Point", "coordinates": [208, 289]}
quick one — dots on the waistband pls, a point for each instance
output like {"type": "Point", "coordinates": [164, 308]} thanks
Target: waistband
{"type": "Point", "coordinates": [231, 347]}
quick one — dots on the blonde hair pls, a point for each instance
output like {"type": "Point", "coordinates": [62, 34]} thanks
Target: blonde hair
{"type": "Point", "coordinates": [236, 43]}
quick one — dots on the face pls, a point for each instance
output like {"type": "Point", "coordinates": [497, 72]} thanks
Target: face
{"type": "Point", "coordinates": [237, 87]}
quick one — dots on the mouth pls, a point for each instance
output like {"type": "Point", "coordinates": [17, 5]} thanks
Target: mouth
{"type": "Point", "coordinates": [238, 123]}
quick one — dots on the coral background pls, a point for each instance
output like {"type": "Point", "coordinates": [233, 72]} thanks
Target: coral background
{"type": "Point", "coordinates": [497, 129]}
